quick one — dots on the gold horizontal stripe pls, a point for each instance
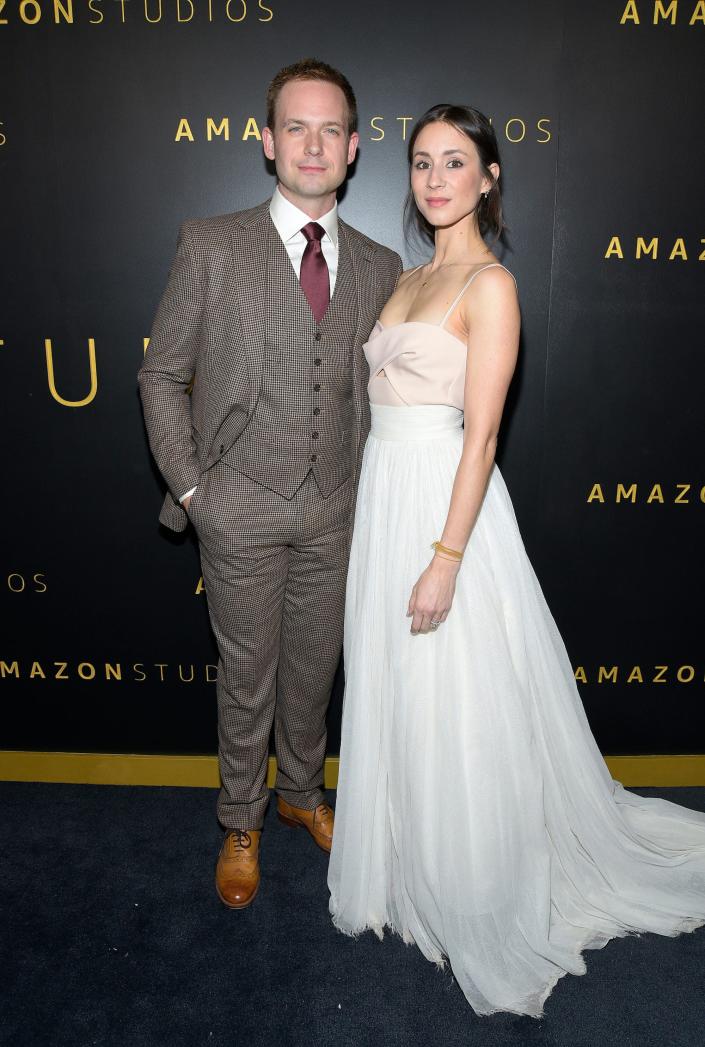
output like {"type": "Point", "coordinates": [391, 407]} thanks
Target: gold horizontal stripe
{"type": "Point", "coordinates": [126, 769]}
{"type": "Point", "coordinates": [657, 770]}
{"type": "Point", "coordinates": [202, 771]}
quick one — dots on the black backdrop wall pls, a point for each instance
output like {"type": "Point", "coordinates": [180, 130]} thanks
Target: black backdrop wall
{"type": "Point", "coordinates": [119, 118]}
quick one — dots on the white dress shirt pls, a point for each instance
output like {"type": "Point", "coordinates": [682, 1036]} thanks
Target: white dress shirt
{"type": "Point", "coordinates": [289, 221]}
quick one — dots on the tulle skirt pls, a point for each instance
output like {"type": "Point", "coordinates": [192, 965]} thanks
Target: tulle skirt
{"type": "Point", "coordinates": [475, 815]}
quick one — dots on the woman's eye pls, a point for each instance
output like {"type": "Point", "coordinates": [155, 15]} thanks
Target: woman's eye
{"type": "Point", "coordinates": [455, 163]}
{"type": "Point", "coordinates": [421, 165]}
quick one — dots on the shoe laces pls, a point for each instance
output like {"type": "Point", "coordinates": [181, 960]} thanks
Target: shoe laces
{"type": "Point", "coordinates": [243, 839]}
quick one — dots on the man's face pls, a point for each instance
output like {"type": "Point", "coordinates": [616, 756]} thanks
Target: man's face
{"type": "Point", "coordinates": [309, 142]}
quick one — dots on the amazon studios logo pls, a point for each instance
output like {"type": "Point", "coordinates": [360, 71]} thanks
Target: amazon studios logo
{"type": "Point", "coordinates": [122, 12]}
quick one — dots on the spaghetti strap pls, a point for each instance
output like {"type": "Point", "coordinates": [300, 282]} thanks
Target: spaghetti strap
{"type": "Point", "coordinates": [409, 272]}
{"type": "Point", "coordinates": [463, 289]}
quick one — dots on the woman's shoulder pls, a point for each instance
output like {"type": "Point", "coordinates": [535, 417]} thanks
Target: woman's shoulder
{"type": "Point", "coordinates": [493, 278]}
{"type": "Point", "coordinates": [491, 291]}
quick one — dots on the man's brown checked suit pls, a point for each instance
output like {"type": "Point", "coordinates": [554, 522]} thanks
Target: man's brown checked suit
{"type": "Point", "coordinates": [272, 435]}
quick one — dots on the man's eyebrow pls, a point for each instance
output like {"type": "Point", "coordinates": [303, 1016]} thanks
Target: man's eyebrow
{"type": "Point", "coordinates": [328, 123]}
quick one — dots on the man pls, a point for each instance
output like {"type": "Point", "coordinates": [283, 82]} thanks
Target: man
{"type": "Point", "coordinates": [264, 318]}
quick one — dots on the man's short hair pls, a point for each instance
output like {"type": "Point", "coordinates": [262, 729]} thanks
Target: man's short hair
{"type": "Point", "coordinates": [311, 69]}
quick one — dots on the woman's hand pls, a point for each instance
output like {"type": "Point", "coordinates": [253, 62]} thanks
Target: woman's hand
{"type": "Point", "coordinates": [432, 596]}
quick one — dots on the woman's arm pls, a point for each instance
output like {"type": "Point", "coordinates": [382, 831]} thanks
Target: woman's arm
{"type": "Point", "coordinates": [491, 314]}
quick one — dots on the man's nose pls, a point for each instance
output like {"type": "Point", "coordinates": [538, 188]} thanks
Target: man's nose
{"type": "Point", "coordinates": [314, 144]}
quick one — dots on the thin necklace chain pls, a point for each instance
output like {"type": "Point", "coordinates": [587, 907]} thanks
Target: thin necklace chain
{"type": "Point", "coordinates": [448, 265]}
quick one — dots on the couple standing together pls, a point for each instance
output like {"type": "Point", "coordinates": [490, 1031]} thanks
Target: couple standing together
{"type": "Point", "coordinates": [475, 815]}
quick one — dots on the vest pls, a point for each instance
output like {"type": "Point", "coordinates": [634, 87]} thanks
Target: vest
{"type": "Point", "coordinates": [304, 419]}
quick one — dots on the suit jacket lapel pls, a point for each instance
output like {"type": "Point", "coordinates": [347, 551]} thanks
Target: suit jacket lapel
{"type": "Point", "coordinates": [251, 260]}
{"type": "Point", "coordinates": [362, 271]}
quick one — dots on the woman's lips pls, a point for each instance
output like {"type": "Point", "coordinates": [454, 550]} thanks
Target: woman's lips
{"type": "Point", "coordinates": [436, 201]}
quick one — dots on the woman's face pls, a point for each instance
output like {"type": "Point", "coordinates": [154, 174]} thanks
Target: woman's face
{"type": "Point", "coordinates": [446, 176]}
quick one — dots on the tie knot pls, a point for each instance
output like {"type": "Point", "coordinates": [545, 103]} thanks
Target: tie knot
{"type": "Point", "coordinates": [313, 231]}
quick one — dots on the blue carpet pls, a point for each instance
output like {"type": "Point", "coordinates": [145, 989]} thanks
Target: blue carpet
{"type": "Point", "coordinates": [113, 935]}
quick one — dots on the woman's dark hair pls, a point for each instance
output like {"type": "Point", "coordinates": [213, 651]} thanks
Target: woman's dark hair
{"type": "Point", "coordinates": [476, 126]}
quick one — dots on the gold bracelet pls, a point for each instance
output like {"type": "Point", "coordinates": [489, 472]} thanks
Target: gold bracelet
{"type": "Point", "coordinates": [448, 559]}
{"type": "Point", "coordinates": [452, 553]}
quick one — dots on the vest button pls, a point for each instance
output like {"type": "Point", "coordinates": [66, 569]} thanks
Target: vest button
{"type": "Point", "coordinates": [317, 336]}
{"type": "Point", "coordinates": [316, 388]}
{"type": "Point", "coordinates": [313, 458]}
{"type": "Point", "coordinates": [314, 436]}
{"type": "Point", "coordinates": [317, 361]}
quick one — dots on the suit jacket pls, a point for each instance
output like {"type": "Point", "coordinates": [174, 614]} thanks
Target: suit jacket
{"type": "Point", "coordinates": [201, 375]}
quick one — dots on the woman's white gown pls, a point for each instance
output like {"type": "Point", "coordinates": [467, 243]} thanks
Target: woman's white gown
{"type": "Point", "coordinates": [475, 815]}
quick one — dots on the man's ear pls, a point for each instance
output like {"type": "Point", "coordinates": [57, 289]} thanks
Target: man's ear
{"type": "Point", "coordinates": [353, 143]}
{"type": "Point", "coordinates": [268, 143]}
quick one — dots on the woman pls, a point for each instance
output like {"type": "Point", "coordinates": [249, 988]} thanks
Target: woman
{"type": "Point", "coordinates": [475, 814]}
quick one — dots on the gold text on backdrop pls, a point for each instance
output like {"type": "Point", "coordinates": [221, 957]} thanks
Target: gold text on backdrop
{"type": "Point", "coordinates": [663, 12]}
{"type": "Point", "coordinates": [513, 129]}
{"type": "Point", "coordinates": [646, 494]}
{"type": "Point", "coordinates": [650, 247]}
{"type": "Point", "coordinates": [93, 371]}
{"type": "Point", "coordinates": [19, 582]}
{"type": "Point", "coordinates": [120, 12]}
{"type": "Point", "coordinates": [638, 674]}
{"type": "Point", "coordinates": [157, 672]}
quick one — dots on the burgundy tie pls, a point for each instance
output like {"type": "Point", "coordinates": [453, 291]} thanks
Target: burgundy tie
{"type": "Point", "coordinates": [315, 279]}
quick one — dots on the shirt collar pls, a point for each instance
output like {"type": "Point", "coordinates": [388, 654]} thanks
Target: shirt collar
{"type": "Point", "coordinates": [289, 220]}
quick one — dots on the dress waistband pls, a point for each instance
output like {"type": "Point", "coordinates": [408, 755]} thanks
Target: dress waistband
{"type": "Point", "coordinates": [420, 422]}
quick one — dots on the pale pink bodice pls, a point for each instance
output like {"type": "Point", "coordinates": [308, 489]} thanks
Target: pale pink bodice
{"type": "Point", "coordinates": [423, 363]}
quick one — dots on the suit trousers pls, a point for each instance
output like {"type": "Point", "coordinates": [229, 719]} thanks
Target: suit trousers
{"type": "Point", "coordinates": [274, 571]}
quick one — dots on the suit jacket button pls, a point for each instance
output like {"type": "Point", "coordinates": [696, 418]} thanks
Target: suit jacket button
{"type": "Point", "coordinates": [317, 336]}
{"type": "Point", "coordinates": [314, 436]}
{"type": "Point", "coordinates": [317, 361]}
{"type": "Point", "coordinates": [316, 388]}
{"type": "Point", "coordinates": [313, 458]}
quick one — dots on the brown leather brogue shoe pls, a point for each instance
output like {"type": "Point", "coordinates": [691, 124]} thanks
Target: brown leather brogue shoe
{"type": "Point", "coordinates": [237, 871]}
{"type": "Point", "coordinates": [318, 822]}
